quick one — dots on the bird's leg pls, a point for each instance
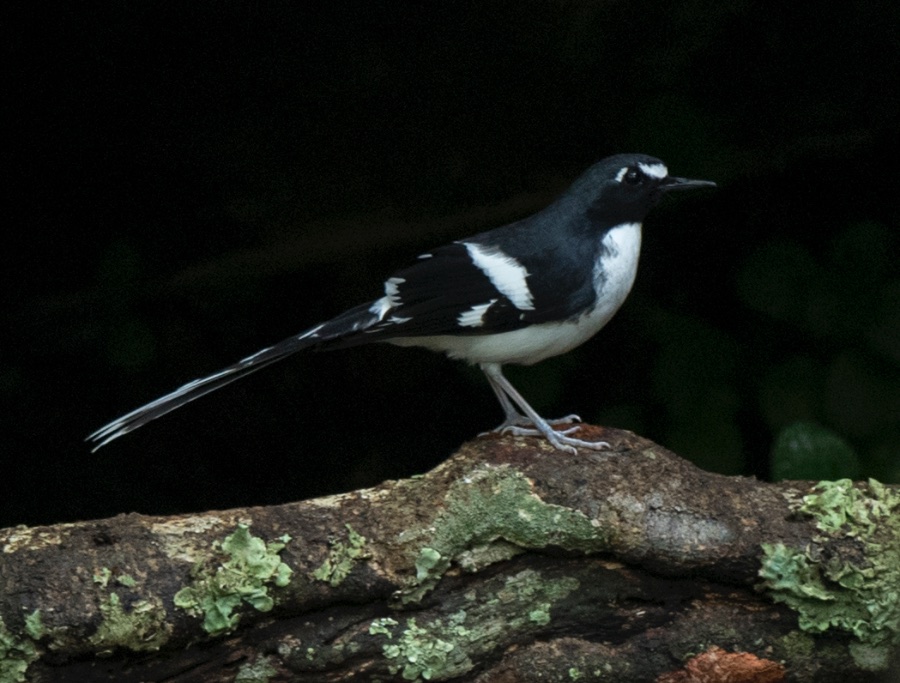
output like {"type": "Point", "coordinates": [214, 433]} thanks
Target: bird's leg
{"type": "Point", "coordinates": [514, 422]}
{"type": "Point", "coordinates": [511, 418]}
{"type": "Point", "coordinates": [519, 424]}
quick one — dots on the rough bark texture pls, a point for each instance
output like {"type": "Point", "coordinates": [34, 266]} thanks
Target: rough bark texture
{"type": "Point", "coordinates": [509, 562]}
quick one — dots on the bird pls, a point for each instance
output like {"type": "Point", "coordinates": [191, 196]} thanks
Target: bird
{"type": "Point", "coordinates": [517, 294]}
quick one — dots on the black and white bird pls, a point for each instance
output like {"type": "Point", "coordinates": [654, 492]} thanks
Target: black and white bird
{"type": "Point", "coordinates": [520, 293]}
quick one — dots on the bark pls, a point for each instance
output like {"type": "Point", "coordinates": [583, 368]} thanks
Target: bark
{"type": "Point", "coordinates": [509, 562]}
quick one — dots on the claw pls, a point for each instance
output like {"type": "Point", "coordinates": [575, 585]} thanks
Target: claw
{"type": "Point", "coordinates": [567, 420]}
{"type": "Point", "coordinates": [522, 426]}
{"type": "Point", "coordinates": [515, 430]}
{"type": "Point", "coordinates": [557, 437]}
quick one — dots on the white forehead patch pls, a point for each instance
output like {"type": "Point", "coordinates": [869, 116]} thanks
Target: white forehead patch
{"type": "Point", "coordinates": [654, 170]}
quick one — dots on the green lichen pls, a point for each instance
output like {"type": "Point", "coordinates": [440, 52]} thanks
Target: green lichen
{"type": "Point", "coordinates": [532, 594]}
{"type": "Point", "coordinates": [244, 577]}
{"type": "Point", "coordinates": [258, 671]}
{"type": "Point", "coordinates": [541, 615]}
{"type": "Point", "coordinates": [341, 558]}
{"type": "Point", "coordinates": [383, 626]}
{"type": "Point", "coordinates": [476, 559]}
{"type": "Point", "coordinates": [841, 508]}
{"type": "Point", "coordinates": [126, 580]}
{"type": "Point", "coordinates": [421, 653]}
{"type": "Point", "coordinates": [140, 628]}
{"type": "Point", "coordinates": [495, 507]}
{"type": "Point", "coordinates": [849, 576]}
{"type": "Point", "coordinates": [446, 648]}
{"type": "Point", "coordinates": [16, 655]}
{"type": "Point", "coordinates": [34, 625]}
{"type": "Point", "coordinates": [102, 576]}
{"type": "Point", "coordinates": [428, 559]}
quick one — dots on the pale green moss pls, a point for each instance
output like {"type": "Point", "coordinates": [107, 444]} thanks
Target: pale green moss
{"type": "Point", "coordinates": [488, 515]}
{"type": "Point", "coordinates": [251, 565]}
{"type": "Point", "coordinates": [342, 557]}
{"type": "Point", "coordinates": [870, 657]}
{"type": "Point", "coordinates": [855, 586]}
{"type": "Point", "coordinates": [142, 627]}
{"type": "Point", "coordinates": [797, 646]}
{"type": "Point", "coordinates": [16, 655]}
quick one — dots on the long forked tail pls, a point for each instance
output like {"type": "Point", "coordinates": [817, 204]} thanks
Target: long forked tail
{"type": "Point", "coordinates": [348, 324]}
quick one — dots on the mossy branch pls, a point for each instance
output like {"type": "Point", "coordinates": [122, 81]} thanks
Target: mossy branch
{"type": "Point", "coordinates": [511, 561]}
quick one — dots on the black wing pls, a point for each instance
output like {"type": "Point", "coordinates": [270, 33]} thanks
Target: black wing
{"type": "Point", "coordinates": [446, 292]}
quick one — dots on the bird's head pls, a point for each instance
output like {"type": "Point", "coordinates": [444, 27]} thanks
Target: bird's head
{"type": "Point", "coordinates": [626, 186]}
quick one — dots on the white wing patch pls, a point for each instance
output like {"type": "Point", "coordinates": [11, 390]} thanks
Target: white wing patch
{"type": "Point", "coordinates": [474, 317]}
{"type": "Point", "coordinates": [380, 307]}
{"type": "Point", "coordinates": [391, 298]}
{"type": "Point", "coordinates": [504, 272]}
{"type": "Point", "coordinates": [392, 290]}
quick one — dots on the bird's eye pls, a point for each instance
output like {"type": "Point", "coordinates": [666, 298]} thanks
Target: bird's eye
{"type": "Point", "coordinates": [633, 176]}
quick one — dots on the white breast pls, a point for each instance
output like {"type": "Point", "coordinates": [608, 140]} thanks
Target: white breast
{"type": "Point", "coordinates": [614, 274]}
{"type": "Point", "coordinates": [613, 277]}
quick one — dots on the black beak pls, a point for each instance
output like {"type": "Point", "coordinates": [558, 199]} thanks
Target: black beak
{"type": "Point", "coordinates": [669, 183]}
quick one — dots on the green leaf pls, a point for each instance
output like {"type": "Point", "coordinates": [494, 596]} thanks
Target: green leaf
{"type": "Point", "coordinates": [805, 450]}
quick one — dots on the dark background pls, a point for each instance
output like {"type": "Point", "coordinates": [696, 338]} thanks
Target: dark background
{"type": "Point", "coordinates": [189, 182]}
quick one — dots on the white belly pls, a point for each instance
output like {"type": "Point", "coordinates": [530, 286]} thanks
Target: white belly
{"type": "Point", "coordinates": [537, 342]}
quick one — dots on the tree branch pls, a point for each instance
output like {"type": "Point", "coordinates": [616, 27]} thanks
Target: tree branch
{"type": "Point", "coordinates": [509, 562]}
